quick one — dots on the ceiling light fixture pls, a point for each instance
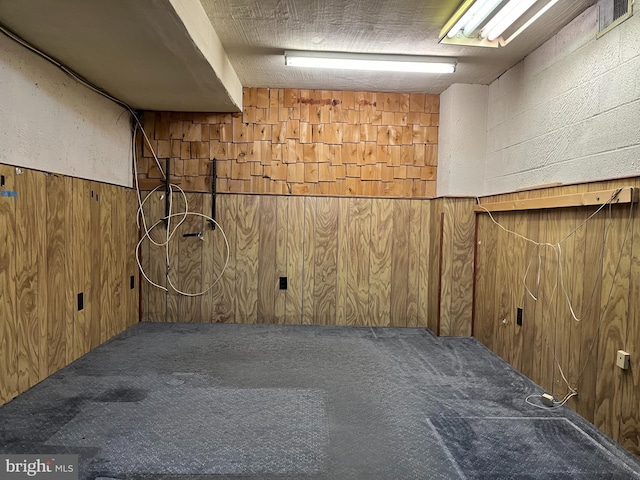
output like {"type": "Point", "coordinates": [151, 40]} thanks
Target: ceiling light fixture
{"type": "Point", "coordinates": [530, 21]}
{"type": "Point", "coordinates": [473, 17]}
{"type": "Point", "coordinates": [365, 61]}
{"type": "Point", "coordinates": [483, 23]}
{"type": "Point", "coordinates": [511, 12]}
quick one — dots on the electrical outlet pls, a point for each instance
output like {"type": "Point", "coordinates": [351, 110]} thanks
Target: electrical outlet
{"type": "Point", "coordinates": [519, 316]}
{"type": "Point", "coordinates": [283, 283]}
{"type": "Point", "coordinates": [623, 360]}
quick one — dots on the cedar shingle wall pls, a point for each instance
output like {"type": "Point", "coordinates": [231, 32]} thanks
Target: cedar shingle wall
{"type": "Point", "coordinates": [302, 142]}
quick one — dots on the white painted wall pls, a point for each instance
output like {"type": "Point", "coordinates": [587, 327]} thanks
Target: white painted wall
{"type": "Point", "coordinates": [569, 112]}
{"type": "Point", "coordinates": [462, 140]}
{"type": "Point", "coordinates": [50, 122]}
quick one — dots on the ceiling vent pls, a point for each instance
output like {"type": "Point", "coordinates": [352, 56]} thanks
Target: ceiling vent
{"type": "Point", "coordinates": [612, 13]}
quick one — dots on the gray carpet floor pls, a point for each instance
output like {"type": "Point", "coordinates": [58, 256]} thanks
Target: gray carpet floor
{"type": "Point", "coordinates": [185, 401]}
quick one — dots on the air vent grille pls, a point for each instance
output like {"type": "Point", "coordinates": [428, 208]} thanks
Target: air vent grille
{"type": "Point", "coordinates": [612, 13]}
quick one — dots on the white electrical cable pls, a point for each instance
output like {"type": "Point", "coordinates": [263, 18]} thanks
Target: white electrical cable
{"type": "Point", "coordinates": [140, 212]}
{"type": "Point", "coordinates": [556, 404]}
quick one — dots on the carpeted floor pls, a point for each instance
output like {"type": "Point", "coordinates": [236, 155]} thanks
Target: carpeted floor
{"type": "Point", "coordinates": [185, 401]}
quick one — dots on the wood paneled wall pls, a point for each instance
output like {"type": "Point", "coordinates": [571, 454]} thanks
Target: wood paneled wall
{"type": "Point", "coordinates": [453, 222]}
{"type": "Point", "coordinates": [349, 261]}
{"type": "Point", "coordinates": [301, 142]}
{"type": "Point", "coordinates": [61, 236]}
{"type": "Point", "coordinates": [600, 268]}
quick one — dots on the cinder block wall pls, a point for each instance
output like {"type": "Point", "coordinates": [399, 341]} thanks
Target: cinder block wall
{"type": "Point", "coordinates": [569, 111]}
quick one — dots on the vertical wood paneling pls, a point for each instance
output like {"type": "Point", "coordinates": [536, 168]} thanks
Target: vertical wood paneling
{"type": "Point", "coordinates": [413, 258]}
{"type": "Point", "coordinates": [247, 260]}
{"type": "Point", "coordinates": [144, 254]}
{"type": "Point", "coordinates": [52, 232]}
{"type": "Point", "coordinates": [326, 258]}
{"type": "Point", "coordinates": [207, 304]}
{"type": "Point", "coordinates": [268, 282]}
{"type": "Point", "coordinates": [96, 267]}
{"type": "Point", "coordinates": [425, 279]}
{"type": "Point", "coordinates": [615, 298]}
{"type": "Point", "coordinates": [295, 239]}
{"type": "Point", "coordinates": [81, 226]}
{"type": "Point", "coordinates": [355, 261]}
{"type": "Point", "coordinates": [119, 259]}
{"type": "Point", "coordinates": [603, 293]}
{"type": "Point", "coordinates": [446, 256]}
{"type": "Point", "coordinates": [545, 324]}
{"type": "Point", "coordinates": [434, 264]}
{"type": "Point", "coordinates": [462, 266]}
{"type": "Point", "coordinates": [107, 259]}
{"type": "Point", "coordinates": [382, 232]}
{"type": "Point", "coordinates": [528, 303]}
{"type": "Point", "coordinates": [343, 261]}
{"type": "Point", "coordinates": [58, 311]}
{"type": "Point", "coordinates": [31, 270]}
{"type": "Point", "coordinates": [174, 301]}
{"type": "Point", "coordinates": [8, 325]}
{"type": "Point", "coordinates": [358, 262]}
{"type": "Point", "coordinates": [282, 231]}
{"type": "Point", "coordinates": [592, 283]}
{"type": "Point", "coordinates": [564, 320]}
{"type": "Point", "coordinates": [501, 295]}
{"type": "Point", "coordinates": [308, 261]}
{"type": "Point", "coordinates": [157, 272]}
{"type": "Point", "coordinates": [69, 300]}
{"type": "Point", "coordinates": [189, 263]}
{"type": "Point", "coordinates": [517, 294]}
{"type": "Point", "coordinates": [223, 292]}
{"type": "Point", "coordinates": [576, 270]}
{"type": "Point", "coordinates": [400, 262]}
{"type": "Point", "coordinates": [629, 412]}
{"type": "Point", "coordinates": [131, 233]}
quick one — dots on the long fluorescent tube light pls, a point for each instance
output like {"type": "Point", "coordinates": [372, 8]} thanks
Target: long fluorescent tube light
{"type": "Point", "coordinates": [511, 12]}
{"type": "Point", "coordinates": [483, 12]}
{"type": "Point", "coordinates": [364, 61]}
{"type": "Point", "coordinates": [473, 17]}
{"type": "Point", "coordinates": [464, 19]}
{"type": "Point", "coordinates": [529, 22]}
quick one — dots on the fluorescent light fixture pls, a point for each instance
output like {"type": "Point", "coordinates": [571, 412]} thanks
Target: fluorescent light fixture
{"type": "Point", "coordinates": [511, 12]}
{"type": "Point", "coordinates": [365, 61]}
{"type": "Point", "coordinates": [478, 17]}
{"type": "Point", "coordinates": [473, 17]}
{"type": "Point", "coordinates": [464, 19]}
{"type": "Point", "coordinates": [530, 21]}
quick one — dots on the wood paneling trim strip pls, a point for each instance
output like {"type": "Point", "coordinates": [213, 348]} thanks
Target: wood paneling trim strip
{"type": "Point", "coordinates": [613, 196]}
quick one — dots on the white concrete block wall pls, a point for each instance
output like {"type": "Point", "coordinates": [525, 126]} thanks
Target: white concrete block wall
{"type": "Point", "coordinates": [462, 139]}
{"type": "Point", "coordinates": [569, 112]}
{"type": "Point", "coordinates": [50, 122]}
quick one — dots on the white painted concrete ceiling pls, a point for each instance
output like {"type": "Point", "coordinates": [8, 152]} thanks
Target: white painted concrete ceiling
{"type": "Point", "coordinates": [145, 53]}
{"type": "Point", "coordinates": [256, 32]}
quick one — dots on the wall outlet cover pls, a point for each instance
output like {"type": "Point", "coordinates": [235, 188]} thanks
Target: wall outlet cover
{"type": "Point", "coordinates": [623, 360]}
